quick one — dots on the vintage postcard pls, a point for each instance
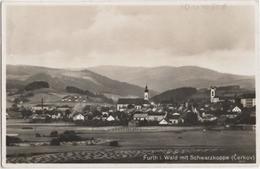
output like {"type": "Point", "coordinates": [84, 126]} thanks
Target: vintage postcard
{"type": "Point", "coordinates": [117, 82]}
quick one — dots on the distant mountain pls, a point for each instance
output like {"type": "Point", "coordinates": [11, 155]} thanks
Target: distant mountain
{"type": "Point", "coordinates": [166, 77]}
{"type": "Point", "coordinates": [59, 79]}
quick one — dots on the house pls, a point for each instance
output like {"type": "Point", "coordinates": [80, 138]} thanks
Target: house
{"type": "Point", "coordinates": [37, 117]}
{"type": "Point", "coordinates": [140, 116]}
{"type": "Point", "coordinates": [74, 98]}
{"type": "Point", "coordinates": [78, 117]}
{"type": "Point", "coordinates": [248, 100]}
{"type": "Point", "coordinates": [236, 109]}
{"type": "Point", "coordinates": [233, 112]}
{"type": "Point", "coordinates": [40, 107]}
{"type": "Point", "coordinates": [163, 122]}
{"type": "Point", "coordinates": [208, 118]}
{"type": "Point", "coordinates": [64, 108]}
{"type": "Point", "coordinates": [175, 118]}
{"type": "Point", "coordinates": [110, 118]}
{"type": "Point", "coordinates": [155, 116]}
{"type": "Point", "coordinates": [127, 103]}
{"type": "Point", "coordinates": [105, 114]}
{"type": "Point", "coordinates": [137, 103]}
{"type": "Point", "coordinates": [231, 116]}
{"type": "Point", "coordinates": [56, 116]}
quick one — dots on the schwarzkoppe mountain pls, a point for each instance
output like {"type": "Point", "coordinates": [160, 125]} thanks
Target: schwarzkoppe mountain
{"type": "Point", "coordinates": [166, 77]}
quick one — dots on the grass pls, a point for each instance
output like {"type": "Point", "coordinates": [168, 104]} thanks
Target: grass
{"type": "Point", "coordinates": [148, 138]}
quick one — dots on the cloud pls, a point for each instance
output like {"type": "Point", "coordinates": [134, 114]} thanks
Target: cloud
{"type": "Point", "coordinates": [131, 35]}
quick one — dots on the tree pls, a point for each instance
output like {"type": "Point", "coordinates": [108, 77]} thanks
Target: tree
{"type": "Point", "coordinates": [130, 106]}
{"type": "Point", "coordinates": [191, 118]}
{"type": "Point", "coordinates": [67, 113]}
{"type": "Point", "coordinates": [36, 85]}
{"type": "Point", "coordinates": [54, 134]}
{"type": "Point", "coordinates": [12, 139]}
{"type": "Point", "coordinates": [55, 142]}
{"type": "Point", "coordinates": [69, 135]}
{"type": "Point", "coordinates": [26, 112]}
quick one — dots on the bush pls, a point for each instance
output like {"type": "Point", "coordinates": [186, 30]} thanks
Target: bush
{"type": "Point", "coordinates": [69, 135]}
{"type": "Point", "coordinates": [12, 139]}
{"type": "Point", "coordinates": [37, 135]}
{"type": "Point", "coordinates": [54, 134]}
{"type": "Point", "coordinates": [114, 143]}
{"type": "Point", "coordinates": [55, 142]}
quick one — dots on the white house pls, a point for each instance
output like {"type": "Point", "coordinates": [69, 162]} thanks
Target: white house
{"type": "Point", "coordinates": [105, 114]}
{"type": "Point", "coordinates": [140, 116]}
{"type": "Point", "coordinates": [137, 103]}
{"type": "Point", "coordinates": [236, 109]}
{"type": "Point", "coordinates": [78, 117]}
{"type": "Point", "coordinates": [248, 100]}
{"type": "Point", "coordinates": [176, 121]}
{"type": "Point", "coordinates": [110, 118]}
{"type": "Point", "coordinates": [175, 118]}
{"type": "Point", "coordinates": [56, 116]}
{"type": "Point", "coordinates": [163, 122]}
{"type": "Point", "coordinates": [156, 116]}
{"type": "Point", "coordinates": [40, 107]}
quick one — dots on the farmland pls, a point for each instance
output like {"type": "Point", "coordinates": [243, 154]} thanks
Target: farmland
{"type": "Point", "coordinates": [131, 140]}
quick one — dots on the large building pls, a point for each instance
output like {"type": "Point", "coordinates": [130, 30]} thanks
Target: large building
{"type": "Point", "coordinates": [137, 103]}
{"type": "Point", "coordinates": [248, 100]}
{"type": "Point", "coordinates": [146, 93]}
{"type": "Point", "coordinates": [213, 98]}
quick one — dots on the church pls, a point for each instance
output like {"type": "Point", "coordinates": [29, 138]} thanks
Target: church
{"type": "Point", "coordinates": [137, 103]}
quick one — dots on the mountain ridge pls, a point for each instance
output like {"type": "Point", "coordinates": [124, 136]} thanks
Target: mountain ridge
{"type": "Point", "coordinates": [163, 78]}
{"type": "Point", "coordinates": [59, 79]}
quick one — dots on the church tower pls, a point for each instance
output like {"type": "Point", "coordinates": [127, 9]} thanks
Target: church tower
{"type": "Point", "coordinates": [146, 93]}
{"type": "Point", "coordinates": [212, 94]}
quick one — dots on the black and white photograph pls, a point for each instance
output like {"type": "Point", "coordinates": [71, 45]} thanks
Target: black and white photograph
{"type": "Point", "coordinates": [139, 83]}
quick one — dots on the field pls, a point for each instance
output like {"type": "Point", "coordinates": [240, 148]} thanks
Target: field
{"type": "Point", "coordinates": [141, 144]}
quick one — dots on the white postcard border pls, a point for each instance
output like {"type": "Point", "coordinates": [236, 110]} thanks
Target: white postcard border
{"type": "Point", "coordinates": [5, 3]}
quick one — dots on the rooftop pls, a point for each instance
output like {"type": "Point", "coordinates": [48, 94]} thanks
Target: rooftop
{"type": "Point", "coordinates": [136, 101]}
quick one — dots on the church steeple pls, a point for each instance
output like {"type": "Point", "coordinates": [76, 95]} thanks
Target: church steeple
{"type": "Point", "coordinates": [146, 93]}
{"type": "Point", "coordinates": [146, 89]}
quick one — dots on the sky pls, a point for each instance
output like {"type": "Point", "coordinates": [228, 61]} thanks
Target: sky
{"type": "Point", "coordinates": [219, 37]}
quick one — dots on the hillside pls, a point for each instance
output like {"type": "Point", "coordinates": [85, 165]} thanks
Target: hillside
{"type": "Point", "coordinates": [175, 96]}
{"type": "Point", "coordinates": [166, 77]}
{"type": "Point", "coordinates": [59, 79]}
{"type": "Point", "coordinates": [183, 94]}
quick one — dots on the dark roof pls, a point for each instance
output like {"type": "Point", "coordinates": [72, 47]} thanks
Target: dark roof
{"type": "Point", "coordinates": [156, 113]}
{"type": "Point", "coordinates": [146, 89]}
{"type": "Point", "coordinates": [136, 101]}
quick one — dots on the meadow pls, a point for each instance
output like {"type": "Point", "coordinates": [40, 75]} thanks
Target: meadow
{"type": "Point", "coordinates": [130, 139]}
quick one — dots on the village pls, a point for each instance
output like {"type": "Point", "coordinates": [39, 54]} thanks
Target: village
{"type": "Point", "coordinates": [144, 112]}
